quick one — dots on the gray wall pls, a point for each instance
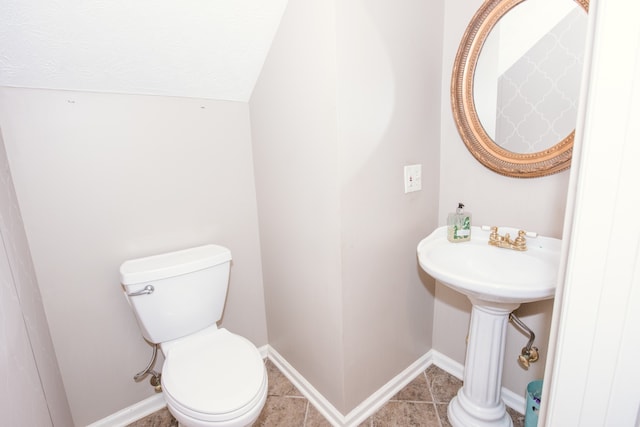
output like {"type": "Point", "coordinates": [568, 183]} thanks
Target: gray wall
{"type": "Point", "coordinates": [32, 392]}
{"type": "Point", "coordinates": [347, 97]}
{"type": "Point", "coordinates": [102, 178]}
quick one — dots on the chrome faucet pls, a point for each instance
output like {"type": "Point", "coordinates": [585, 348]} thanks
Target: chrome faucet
{"type": "Point", "coordinates": [517, 244]}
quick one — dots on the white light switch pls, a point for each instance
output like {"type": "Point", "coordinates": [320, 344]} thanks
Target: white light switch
{"type": "Point", "coordinates": [412, 178]}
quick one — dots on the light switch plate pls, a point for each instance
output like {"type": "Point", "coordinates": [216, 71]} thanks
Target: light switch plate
{"type": "Point", "coordinates": [412, 178]}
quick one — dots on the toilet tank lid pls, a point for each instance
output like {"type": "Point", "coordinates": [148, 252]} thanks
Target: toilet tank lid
{"type": "Point", "coordinates": [163, 266]}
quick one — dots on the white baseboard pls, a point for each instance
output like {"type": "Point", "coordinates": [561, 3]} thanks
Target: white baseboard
{"type": "Point", "coordinates": [367, 408]}
{"type": "Point", "coordinates": [513, 400]}
{"type": "Point", "coordinates": [315, 398]}
{"type": "Point", "coordinates": [448, 365]}
{"type": "Point", "coordinates": [264, 351]}
{"type": "Point", "coordinates": [133, 413]}
{"type": "Point", "coordinates": [379, 398]}
{"type": "Point", "coordinates": [360, 413]}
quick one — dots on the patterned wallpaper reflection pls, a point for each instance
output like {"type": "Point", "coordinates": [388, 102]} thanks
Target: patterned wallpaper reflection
{"type": "Point", "coordinates": [538, 95]}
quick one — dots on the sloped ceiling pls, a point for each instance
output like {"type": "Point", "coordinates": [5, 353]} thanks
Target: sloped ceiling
{"type": "Point", "coordinates": [192, 48]}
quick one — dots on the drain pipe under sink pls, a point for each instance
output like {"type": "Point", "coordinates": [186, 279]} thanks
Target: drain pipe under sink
{"type": "Point", "coordinates": [529, 353]}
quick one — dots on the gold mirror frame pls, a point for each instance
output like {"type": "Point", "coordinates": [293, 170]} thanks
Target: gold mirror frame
{"type": "Point", "coordinates": [478, 142]}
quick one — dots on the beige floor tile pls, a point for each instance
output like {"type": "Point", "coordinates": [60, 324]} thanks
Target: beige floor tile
{"type": "Point", "coordinates": [518, 419]}
{"type": "Point", "coordinates": [314, 418]}
{"type": "Point", "coordinates": [161, 418]}
{"type": "Point", "coordinates": [279, 385]}
{"type": "Point", "coordinates": [443, 385]}
{"type": "Point", "coordinates": [281, 411]}
{"type": "Point", "coordinates": [441, 409]}
{"type": "Point", "coordinates": [416, 391]}
{"type": "Point", "coordinates": [405, 414]}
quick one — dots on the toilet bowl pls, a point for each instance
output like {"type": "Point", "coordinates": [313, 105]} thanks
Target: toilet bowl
{"type": "Point", "coordinates": [214, 378]}
{"type": "Point", "coordinates": [210, 376]}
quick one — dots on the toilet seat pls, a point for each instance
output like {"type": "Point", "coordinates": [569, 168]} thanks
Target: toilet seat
{"type": "Point", "coordinates": [214, 376]}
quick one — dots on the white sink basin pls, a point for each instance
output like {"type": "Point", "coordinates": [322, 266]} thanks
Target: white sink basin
{"type": "Point", "coordinates": [497, 281]}
{"type": "Point", "coordinates": [492, 274]}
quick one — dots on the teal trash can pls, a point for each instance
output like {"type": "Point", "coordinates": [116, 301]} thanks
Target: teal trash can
{"type": "Point", "coordinates": [534, 393]}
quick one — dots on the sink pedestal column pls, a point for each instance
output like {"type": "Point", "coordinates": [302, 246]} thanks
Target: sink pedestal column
{"type": "Point", "coordinates": [478, 402]}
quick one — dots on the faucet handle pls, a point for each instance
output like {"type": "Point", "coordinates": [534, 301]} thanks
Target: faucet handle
{"type": "Point", "coordinates": [520, 242]}
{"type": "Point", "coordinates": [494, 233]}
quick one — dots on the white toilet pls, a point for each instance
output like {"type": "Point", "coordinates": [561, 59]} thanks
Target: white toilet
{"type": "Point", "coordinates": [210, 376]}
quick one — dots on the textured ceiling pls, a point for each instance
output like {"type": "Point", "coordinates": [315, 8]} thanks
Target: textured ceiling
{"type": "Point", "coordinates": [193, 48]}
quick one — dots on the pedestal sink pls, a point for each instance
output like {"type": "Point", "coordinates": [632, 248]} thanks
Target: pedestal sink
{"type": "Point", "coordinates": [497, 281]}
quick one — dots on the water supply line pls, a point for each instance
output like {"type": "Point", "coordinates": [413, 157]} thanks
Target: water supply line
{"type": "Point", "coordinates": [529, 353]}
{"type": "Point", "coordinates": [155, 376]}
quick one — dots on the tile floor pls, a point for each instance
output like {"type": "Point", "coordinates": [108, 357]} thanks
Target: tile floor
{"type": "Point", "coordinates": [423, 402]}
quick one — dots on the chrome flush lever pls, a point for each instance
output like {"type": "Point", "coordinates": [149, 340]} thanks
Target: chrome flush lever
{"type": "Point", "coordinates": [144, 291]}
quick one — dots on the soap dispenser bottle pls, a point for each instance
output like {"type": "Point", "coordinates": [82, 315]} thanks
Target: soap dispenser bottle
{"type": "Point", "coordinates": [459, 225]}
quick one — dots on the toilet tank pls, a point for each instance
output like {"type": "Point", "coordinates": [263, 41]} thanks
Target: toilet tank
{"type": "Point", "coordinates": [189, 290]}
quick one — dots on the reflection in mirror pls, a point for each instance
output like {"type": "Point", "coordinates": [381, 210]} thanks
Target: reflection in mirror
{"type": "Point", "coordinates": [527, 79]}
{"type": "Point", "coordinates": [516, 81]}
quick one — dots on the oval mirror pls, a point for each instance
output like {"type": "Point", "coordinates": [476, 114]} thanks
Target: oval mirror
{"type": "Point", "coordinates": [515, 84]}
